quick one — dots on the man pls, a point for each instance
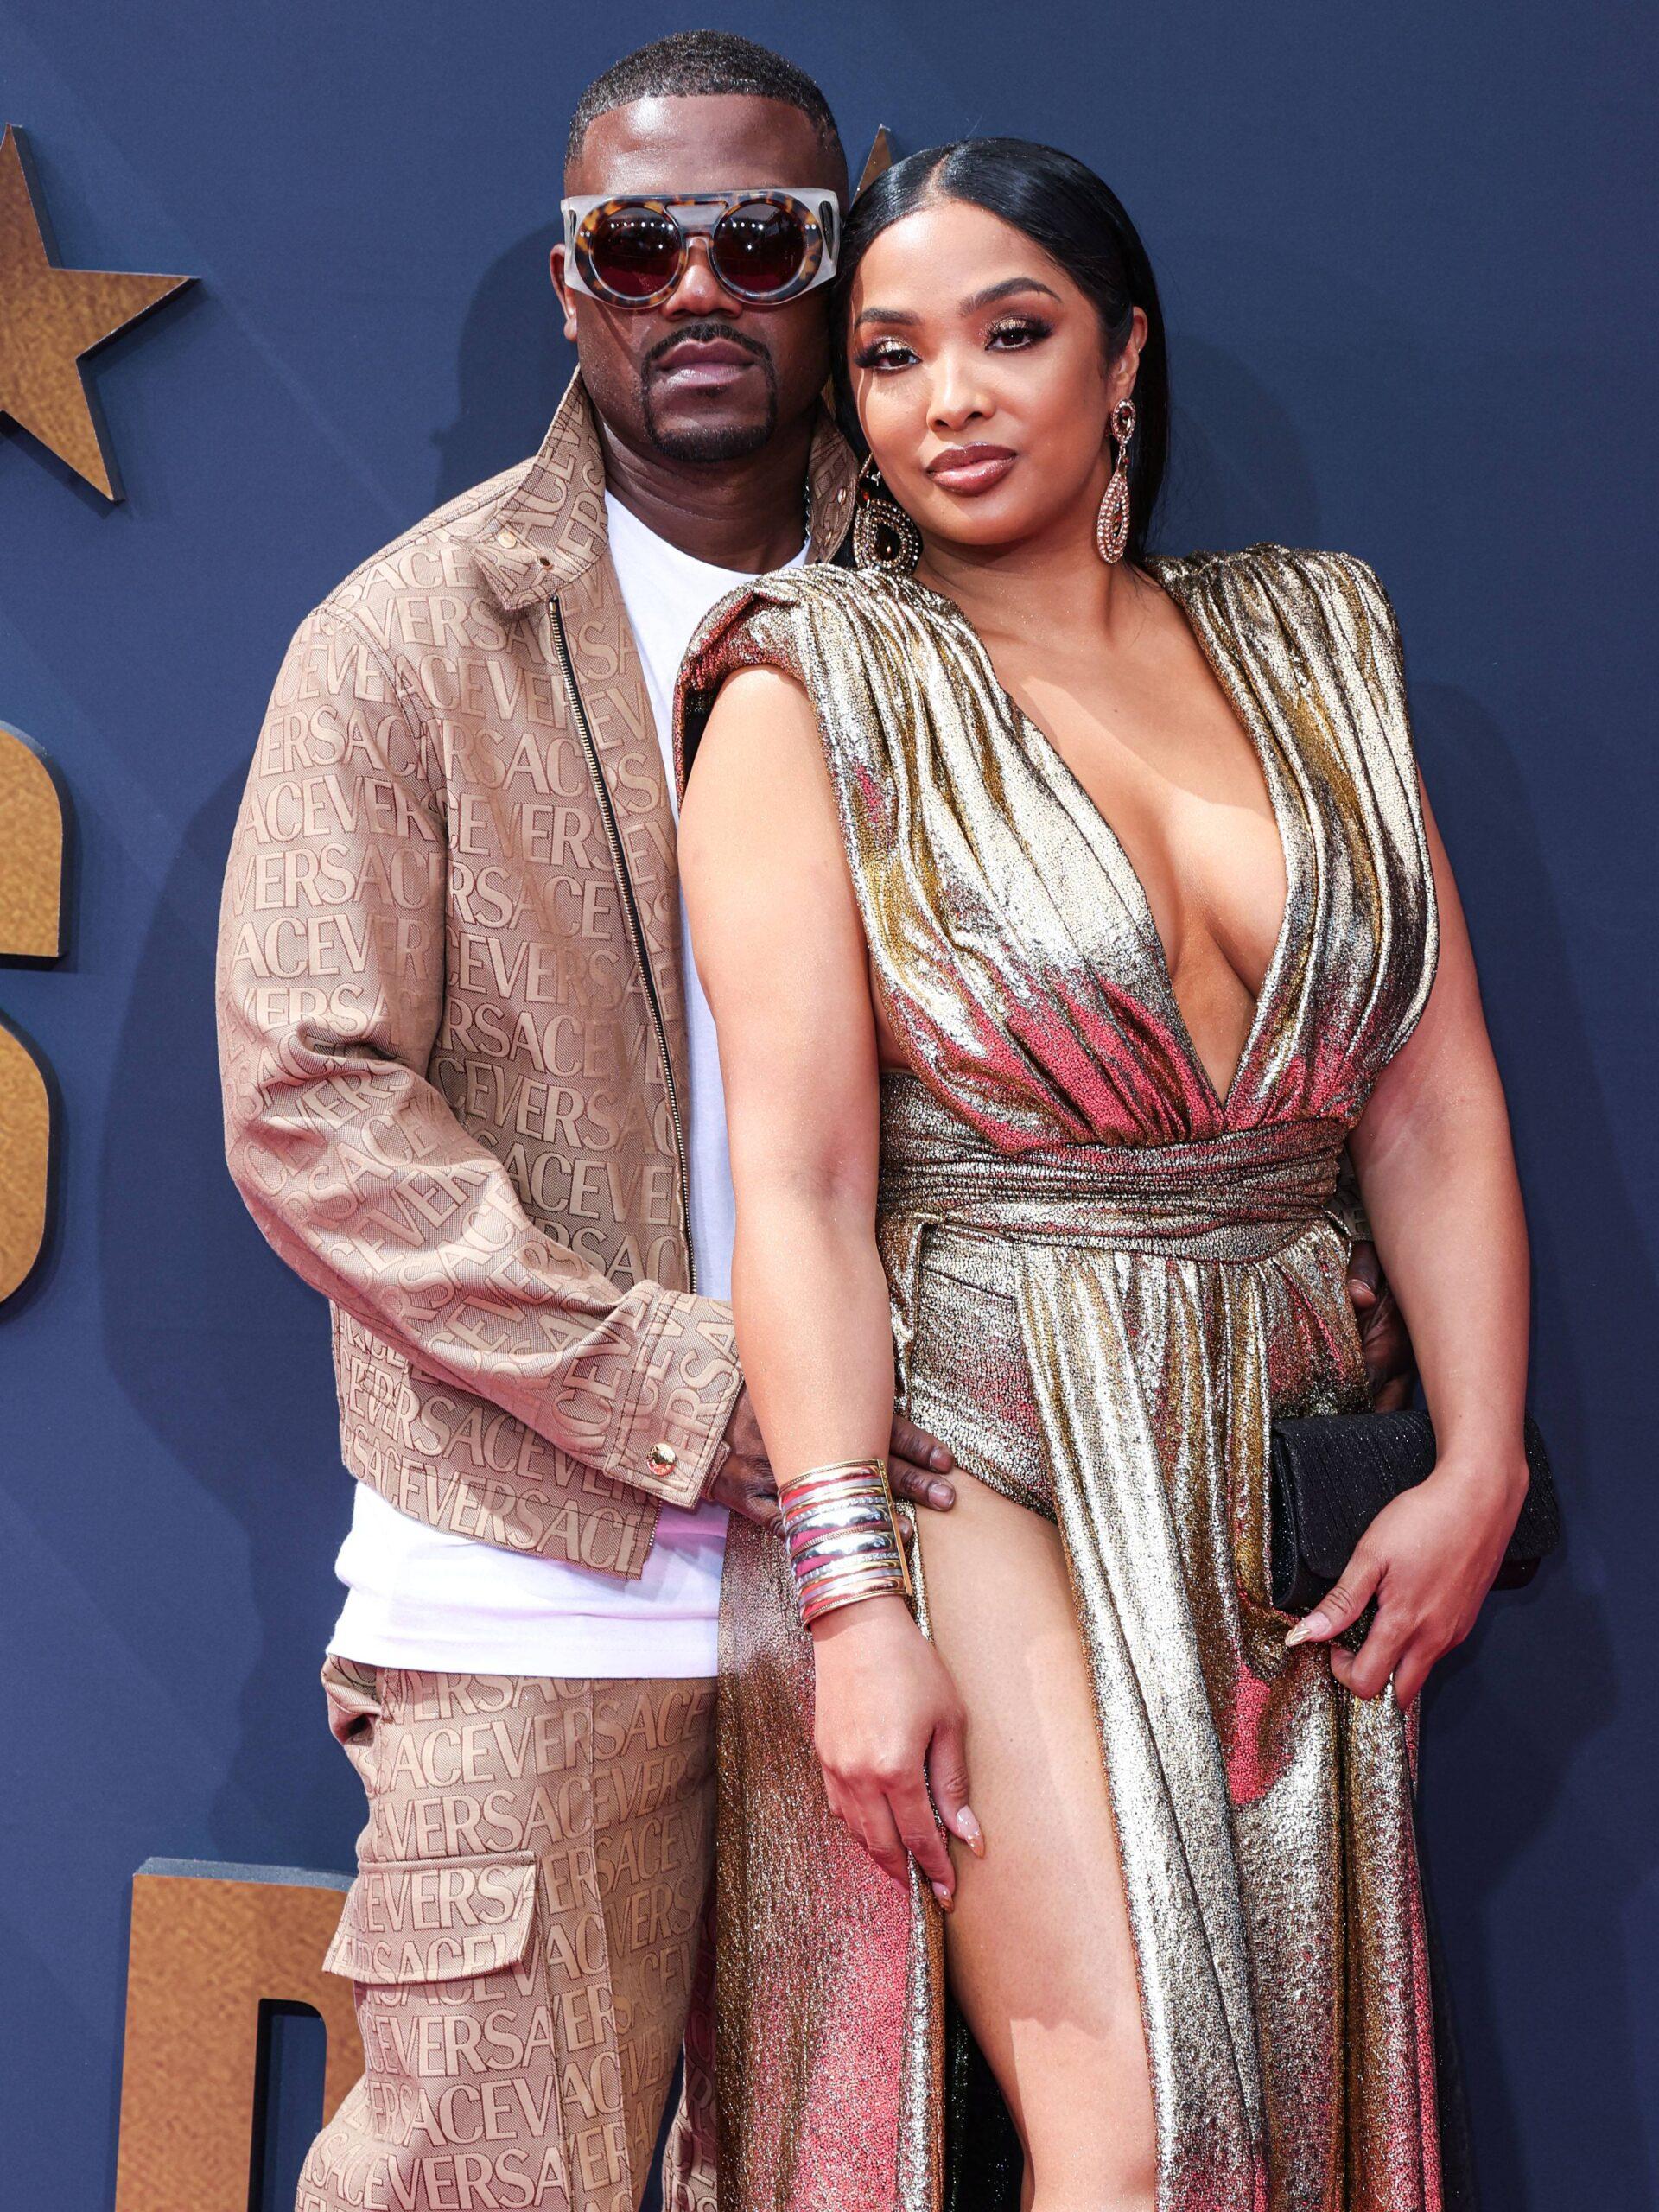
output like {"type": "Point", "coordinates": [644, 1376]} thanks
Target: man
{"type": "Point", "coordinates": [472, 1095]}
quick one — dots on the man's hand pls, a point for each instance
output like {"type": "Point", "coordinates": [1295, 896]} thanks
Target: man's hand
{"type": "Point", "coordinates": [1390, 1363]}
{"type": "Point", "coordinates": [916, 1461]}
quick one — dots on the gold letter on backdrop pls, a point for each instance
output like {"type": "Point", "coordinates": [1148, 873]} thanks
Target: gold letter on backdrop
{"type": "Point", "coordinates": [208, 1943]}
{"type": "Point", "coordinates": [31, 893]}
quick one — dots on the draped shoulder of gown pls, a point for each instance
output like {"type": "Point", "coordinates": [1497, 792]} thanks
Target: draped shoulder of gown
{"type": "Point", "coordinates": [1107, 1278]}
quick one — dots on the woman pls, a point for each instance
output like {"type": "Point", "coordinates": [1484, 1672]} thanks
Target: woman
{"type": "Point", "coordinates": [1063, 912]}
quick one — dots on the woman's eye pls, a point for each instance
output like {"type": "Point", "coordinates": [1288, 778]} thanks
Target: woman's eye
{"type": "Point", "coordinates": [1018, 330]}
{"type": "Point", "coordinates": [884, 354]}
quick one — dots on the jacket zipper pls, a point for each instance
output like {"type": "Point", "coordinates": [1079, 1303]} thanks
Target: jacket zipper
{"type": "Point", "coordinates": [636, 926]}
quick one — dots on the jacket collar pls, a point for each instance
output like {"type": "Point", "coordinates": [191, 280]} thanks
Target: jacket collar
{"type": "Point", "coordinates": [550, 528]}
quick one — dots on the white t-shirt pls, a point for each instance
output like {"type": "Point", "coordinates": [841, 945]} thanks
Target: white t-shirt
{"type": "Point", "coordinates": [421, 1597]}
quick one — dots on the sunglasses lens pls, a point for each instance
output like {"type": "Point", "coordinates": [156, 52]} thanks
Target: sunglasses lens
{"type": "Point", "coordinates": [759, 249]}
{"type": "Point", "coordinates": [634, 251]}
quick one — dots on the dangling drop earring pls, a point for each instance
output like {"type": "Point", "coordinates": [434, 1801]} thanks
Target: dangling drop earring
{"type": "Point", "coordinates": [884, 537]}
{"type": "Point", "coordinates": [1112, 523]}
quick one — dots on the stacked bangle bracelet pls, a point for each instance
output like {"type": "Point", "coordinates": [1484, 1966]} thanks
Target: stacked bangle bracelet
{"type": "Point", "coordinates": [843, 1542]}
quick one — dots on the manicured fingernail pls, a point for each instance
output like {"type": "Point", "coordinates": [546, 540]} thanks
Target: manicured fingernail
{"type": "Point", "coordinates": [1314, 1625]}
{"type": "Point", "coordinates": [946, 1902]}
{"type": "Point", "coordinates": [943, 1497]}
{"type": "Point", "coordinates": [969, 1829]}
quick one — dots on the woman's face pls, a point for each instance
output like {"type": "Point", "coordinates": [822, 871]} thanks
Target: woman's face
{"type": "Point", "coordinates": [979, 377]}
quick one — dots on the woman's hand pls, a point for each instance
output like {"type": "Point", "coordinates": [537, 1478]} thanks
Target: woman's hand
{"type": "Point", "coordinates": [1428, 1559]}
{"type": "Point", "coordinates": [889, 1722]}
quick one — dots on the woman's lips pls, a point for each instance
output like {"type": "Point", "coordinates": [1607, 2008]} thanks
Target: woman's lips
{"type": "Point", "coordinates": [971, 469]}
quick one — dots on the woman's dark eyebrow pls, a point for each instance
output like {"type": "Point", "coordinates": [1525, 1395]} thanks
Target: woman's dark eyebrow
{"type": "Point", "coordinates": [903, 317]}
{"type": "Point", "coordinates": [1001, 291]}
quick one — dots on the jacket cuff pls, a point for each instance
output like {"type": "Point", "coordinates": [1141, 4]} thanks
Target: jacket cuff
{"type": "Point", "coordinates": [666, 1438]}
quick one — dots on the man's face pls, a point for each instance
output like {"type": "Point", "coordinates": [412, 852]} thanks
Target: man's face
{"type": "Point", "coordinates": [704, 377]}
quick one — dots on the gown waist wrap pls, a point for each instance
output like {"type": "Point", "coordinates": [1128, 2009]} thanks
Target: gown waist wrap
{"type": "Point", "coordinates": [1240, 1196]}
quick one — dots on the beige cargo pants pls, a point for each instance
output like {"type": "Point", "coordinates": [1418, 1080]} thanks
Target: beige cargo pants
{"type": "Point", "coordinates": [522, 1936]}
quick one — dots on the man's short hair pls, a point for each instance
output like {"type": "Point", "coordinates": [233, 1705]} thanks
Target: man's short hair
{"type": "Point", "coordinates": [693, 62]}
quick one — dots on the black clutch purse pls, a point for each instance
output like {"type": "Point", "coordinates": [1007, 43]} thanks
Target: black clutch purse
{"type": "Point", "coordinates": [1329, 1476]}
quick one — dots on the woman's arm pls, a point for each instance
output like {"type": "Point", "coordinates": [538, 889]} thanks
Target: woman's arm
{"type": "Point", "coordinates": [1436, 1168]}
{"type": "Point", "coordinates": [781, 954]}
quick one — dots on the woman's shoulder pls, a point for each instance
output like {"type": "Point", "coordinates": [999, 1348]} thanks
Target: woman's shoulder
{"type": "Point", "coordinates": [819, 623]}
{"type": "Point", "coordinates": [1308, 595]}
{"type": "Point", "coordinates": [1289, 574]}
{"type": "Point", "coordinates": [794, 619]}
{"type": "Point", "coordinates": [1315, 570]}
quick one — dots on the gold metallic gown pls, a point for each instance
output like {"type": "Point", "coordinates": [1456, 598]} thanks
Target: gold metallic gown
{"type": "Point", "coordinates": [1106, 1280]}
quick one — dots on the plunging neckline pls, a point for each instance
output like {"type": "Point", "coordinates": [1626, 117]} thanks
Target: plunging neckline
{"type": "Point", "coordinates": [1068, 779]}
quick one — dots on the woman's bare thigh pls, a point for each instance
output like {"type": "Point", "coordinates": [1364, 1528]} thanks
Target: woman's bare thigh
{"type": "Point", "coordinates": [1039, 1948]}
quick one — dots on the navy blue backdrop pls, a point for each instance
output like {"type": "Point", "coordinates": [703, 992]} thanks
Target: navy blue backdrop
{"type": "Point", "coordinates": [1407, 257]}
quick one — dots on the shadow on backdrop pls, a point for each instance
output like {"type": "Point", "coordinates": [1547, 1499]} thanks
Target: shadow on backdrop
{"type": "Point", "coordinates": [1237, 473]}
{"type": "Point", "coordinates": [1510, 1715]}
{"type": "Point", "coordinates": [223, 1354]}
{"type": "Point", "coordinates": [514, 363]}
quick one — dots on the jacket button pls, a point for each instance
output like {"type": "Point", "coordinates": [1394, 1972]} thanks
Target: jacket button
{"type": "Point", "coordinates": [662, 1457]}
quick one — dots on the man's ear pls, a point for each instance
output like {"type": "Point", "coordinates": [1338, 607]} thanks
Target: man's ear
{"type": "Point", "coordinates": [556, 270]}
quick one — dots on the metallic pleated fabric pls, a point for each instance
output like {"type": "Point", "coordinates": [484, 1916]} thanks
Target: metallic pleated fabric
{"type": "Point", "coordinates": [1106, 1280]}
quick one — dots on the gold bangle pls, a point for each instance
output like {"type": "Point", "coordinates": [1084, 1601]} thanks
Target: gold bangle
{"type": "Point", "coordinates": [835, 1540]}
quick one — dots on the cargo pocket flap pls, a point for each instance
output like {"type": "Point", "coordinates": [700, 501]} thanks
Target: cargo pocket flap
{"type": "Point", "coordinates": [435, 1920]}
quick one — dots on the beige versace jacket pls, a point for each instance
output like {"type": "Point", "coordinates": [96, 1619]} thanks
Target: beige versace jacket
{"type": "Point", "coordinates": [452, 1022]}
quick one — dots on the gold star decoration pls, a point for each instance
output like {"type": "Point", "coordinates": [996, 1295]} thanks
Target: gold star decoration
{"type": "Point", "coordinates": [50, 318]}
{"type": "Point", "coordinates": [879, 157]}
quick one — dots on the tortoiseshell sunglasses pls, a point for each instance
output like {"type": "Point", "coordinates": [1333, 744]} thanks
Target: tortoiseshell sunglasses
{"type": "Point", "coordinates": [766, 244]}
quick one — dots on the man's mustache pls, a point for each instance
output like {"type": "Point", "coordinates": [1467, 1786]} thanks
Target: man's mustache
{"type": "Point", "coordinates": [702, 333]}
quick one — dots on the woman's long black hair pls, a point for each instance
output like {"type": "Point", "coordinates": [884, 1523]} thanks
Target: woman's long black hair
{"type": "Point", "coordinates": [1064, 207]}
